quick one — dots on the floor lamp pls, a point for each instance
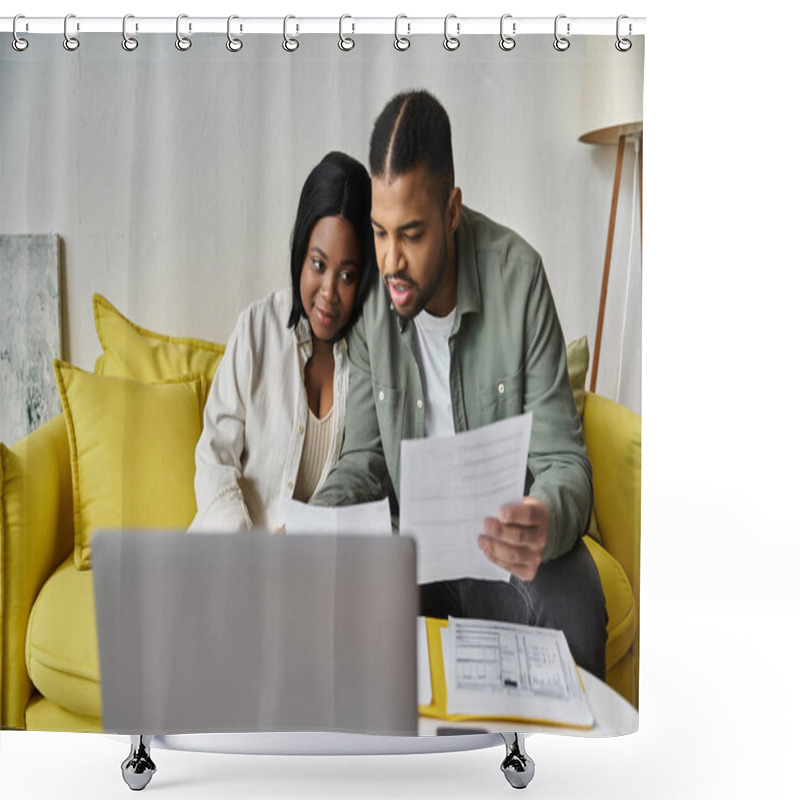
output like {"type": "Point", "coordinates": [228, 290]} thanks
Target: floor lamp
{"type": "Point", "coordinates": [611, 113]}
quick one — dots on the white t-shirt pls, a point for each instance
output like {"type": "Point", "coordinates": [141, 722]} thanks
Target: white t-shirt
{"type": "Point", "coordinates": [433, 349]}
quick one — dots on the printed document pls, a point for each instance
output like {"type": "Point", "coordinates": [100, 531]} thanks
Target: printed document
{"type": "Point", "coordinates": [500, 669]}
{"type": "Point", "coordinates": [449, 484]}
{"type": "Point", "coordinates": [366, 518]}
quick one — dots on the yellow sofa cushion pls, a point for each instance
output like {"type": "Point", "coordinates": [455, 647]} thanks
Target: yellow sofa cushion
{"type": "Point", "coordinates": [61, 646]}
{"type": "Point", "coordinates": [620, 604]}
{"type": "Point", "coordinates": [577, 367]}
{"type": "Point", "coordinates": [132, 451]}
{"type": "Point", "coordinates": [130, 351]}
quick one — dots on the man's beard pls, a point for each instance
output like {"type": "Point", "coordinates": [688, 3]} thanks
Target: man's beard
{"type": "Point", "coordinates": [425, 297]}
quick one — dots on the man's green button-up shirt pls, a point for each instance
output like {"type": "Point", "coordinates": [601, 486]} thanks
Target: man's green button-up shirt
{"type": "Point", "coordinates": [507, 356]}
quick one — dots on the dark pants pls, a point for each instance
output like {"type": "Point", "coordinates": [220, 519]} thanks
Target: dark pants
{"type": "Point", "coordinates": [565, 594]}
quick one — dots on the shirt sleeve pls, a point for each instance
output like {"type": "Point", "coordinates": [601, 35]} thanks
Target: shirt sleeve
{"type": "Point", "coordinates": [557, 460]}
{"type": "Point", "coordinates": [360, 475]}
{"type": "Point", "coordinates": [218, 457]}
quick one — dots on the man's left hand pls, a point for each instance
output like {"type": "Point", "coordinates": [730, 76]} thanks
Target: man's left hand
{"type": "Point", "coordinates": [515, 539]}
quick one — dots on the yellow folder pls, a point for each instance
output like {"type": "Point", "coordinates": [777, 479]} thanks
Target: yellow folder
{"type": "Point", "coordinates": [438, 705]}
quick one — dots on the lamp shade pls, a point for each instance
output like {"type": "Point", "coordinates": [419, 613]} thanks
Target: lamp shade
{"type": "Point", "coordinates": [611, 100]}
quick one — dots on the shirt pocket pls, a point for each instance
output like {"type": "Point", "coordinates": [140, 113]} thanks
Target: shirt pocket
{"type": "Point", "coordinates": [390, 410]}
{"type": "Point", "coordinates": [502, 397]}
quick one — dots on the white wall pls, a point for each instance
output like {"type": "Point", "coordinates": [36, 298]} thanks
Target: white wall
{"type": "Point", "coordinates": [173, 177]}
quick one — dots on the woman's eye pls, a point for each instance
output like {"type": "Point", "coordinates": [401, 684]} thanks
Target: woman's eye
{"type": "Point", "coordinates": [317, 264]}
{"type": "Point", "coordinates": [349, 278]}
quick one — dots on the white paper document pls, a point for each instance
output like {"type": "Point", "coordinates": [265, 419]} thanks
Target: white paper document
{"type": "Point", "coordinates": [449, 484]}
{"type": "Point", "coordinates": [424, 686]}
{"type": "Point", "coordinates": [499, 669]}
{"type": "Point", "coordinates": [365, 518]}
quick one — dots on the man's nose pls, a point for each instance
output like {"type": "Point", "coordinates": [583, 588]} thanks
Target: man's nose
{"type": "Point", "coordinates": [393, 257]}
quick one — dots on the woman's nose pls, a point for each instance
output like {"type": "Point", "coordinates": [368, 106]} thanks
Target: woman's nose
{"type": "Point", "coordinates": [329, 284]}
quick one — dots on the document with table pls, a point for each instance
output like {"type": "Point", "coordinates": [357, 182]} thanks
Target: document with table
{"type": "Point", "coordinates": [482, 669]}
{"type": "Point", "coordinates": [449, 484]}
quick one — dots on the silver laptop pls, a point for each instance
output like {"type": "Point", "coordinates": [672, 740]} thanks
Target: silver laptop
{"type": "Point", "coordinates": [255, 632]}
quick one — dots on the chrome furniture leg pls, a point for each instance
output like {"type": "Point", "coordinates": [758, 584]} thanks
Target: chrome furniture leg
{"type": "Point", "coordinates": [138, 768]}
{"type": "Point", "coordinates": [517, 766]}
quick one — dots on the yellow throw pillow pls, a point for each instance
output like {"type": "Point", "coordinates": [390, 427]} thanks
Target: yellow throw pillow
{"type": "Point", "coordinates": [577, 367]}
{"type": "Point", "coordinates": [131, 450]}
{"type": "Point", "coordinates": [130, 351]}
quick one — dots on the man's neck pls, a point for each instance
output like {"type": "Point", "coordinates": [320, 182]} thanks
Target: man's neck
{"type": "Point", "coordinates": [444, 301]}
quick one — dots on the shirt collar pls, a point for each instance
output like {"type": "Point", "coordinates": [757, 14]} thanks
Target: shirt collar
{"type": "Point", "coordinates": [468, 296]}
{"type": "Point", "coordinates": [302, 332]}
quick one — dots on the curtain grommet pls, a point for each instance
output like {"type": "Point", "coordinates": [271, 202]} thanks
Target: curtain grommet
{"type": "Point", "coordinates": [401, 43]}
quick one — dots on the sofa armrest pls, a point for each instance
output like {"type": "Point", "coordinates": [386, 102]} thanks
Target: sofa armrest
{"type": "Point", "coordinates": [613, 436]}
{"type": "Point", "coordinates": [36, 535]}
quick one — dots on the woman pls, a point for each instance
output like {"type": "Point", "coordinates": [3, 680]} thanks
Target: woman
{"type": "Point", "coordinates": [274, 419]}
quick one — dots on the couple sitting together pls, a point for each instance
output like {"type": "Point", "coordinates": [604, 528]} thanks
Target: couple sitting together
{"type": "Point", "coordinates": [456, 329]}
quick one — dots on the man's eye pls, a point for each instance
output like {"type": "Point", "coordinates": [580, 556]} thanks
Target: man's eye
{"type": "Point", "coordinates": [413, 237]}
{"type": "Point", "coordinates": [380, 234]}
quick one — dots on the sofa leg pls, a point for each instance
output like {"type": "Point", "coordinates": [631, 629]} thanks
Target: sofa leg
{"type": "Point", "coordinates": [138, 768]}
{"type": "Point", "coordinates": [517, 766]}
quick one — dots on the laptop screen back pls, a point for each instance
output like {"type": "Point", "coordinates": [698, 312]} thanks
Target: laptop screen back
{"type": "Point", "coordinates": [254, 632]}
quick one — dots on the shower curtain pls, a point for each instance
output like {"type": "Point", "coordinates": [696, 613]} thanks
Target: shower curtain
{"type": "Point", "coordinates": [171, 177]}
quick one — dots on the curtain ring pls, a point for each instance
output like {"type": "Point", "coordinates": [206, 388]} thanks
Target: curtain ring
{"type": "Point", "coordinates": [451, 42]}
{"type": "Point", "coordinates": [400, 42]}
{"type": "Point", "coordinates": [290, 44]}
{"type": "Point", "coordinates": [129, 43]}
{"type": "Point", "coordinates": [233, 44]}
{"type": "Point", "coordinates": [18, 43]}
{"type": "Point", "coordinates": [561, 43]}
{"type": "Point", "coordinates": [346, 42]}
{"type": "Point", "coordinates": [182, 42]}
{"type": "Point", "coordinates": [507, 42]}
{"type": "Point", "coordinates": [70, 42]}
{"type": "Point", "coordinates": [623, 45]}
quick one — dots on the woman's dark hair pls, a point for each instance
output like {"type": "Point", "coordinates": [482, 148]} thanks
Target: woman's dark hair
{"type": "Point", "coordinates": [339, 186]}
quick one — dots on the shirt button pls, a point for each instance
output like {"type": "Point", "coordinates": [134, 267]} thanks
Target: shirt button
{"type": "Point", "coordinates": [380, 395]}
{"type": "Point", "coordinates": [290, 484]}
{"type": "Point", "coordinates": [501, 388]}
{"type": "Point", "coordinates": [300, 429]}
{"type": "Point", "coordinates": [419, 403]}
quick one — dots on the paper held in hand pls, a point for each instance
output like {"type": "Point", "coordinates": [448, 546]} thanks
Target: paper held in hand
{"type": "Point", "coordinates": [374, 519]}
{"type": "Point", "coordinates": [449, 484]}
{"type": "Point", "coordinates": [508, 671]}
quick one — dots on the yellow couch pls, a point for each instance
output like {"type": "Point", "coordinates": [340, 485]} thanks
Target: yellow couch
{"type": "Point", "coordinates": [49, 673]}
{"type": "Point", "coordinates": [49, 676]}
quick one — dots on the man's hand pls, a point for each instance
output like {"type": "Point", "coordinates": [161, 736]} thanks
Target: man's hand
{"type": "Point", "coordinates": [515, 539]}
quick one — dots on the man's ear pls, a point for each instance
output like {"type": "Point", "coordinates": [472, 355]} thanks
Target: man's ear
{"type": "Point", "coordinates": [454, 209]}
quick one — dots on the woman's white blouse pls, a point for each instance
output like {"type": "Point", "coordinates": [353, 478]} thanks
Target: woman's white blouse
{"type": "Point", "coordinates": [254, 425]}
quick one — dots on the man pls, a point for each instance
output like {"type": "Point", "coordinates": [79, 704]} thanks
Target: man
{"type": "Point", "coordinates": [464, 332]}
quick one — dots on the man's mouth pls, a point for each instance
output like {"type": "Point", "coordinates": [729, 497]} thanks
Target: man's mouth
{"type": "Point", "coordinates": [399, 291]}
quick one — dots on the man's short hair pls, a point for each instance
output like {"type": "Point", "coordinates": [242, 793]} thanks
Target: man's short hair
{"type": "Point", "coordinates": [413, 129]}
